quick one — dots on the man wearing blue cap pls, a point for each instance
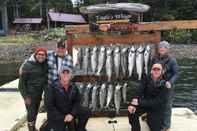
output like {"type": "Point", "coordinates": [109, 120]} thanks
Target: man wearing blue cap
{"type": "Point", "coordinates": [171, 72]}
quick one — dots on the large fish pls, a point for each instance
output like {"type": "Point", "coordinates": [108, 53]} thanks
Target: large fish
{"type": "Point", "coordinates": [117, 98]}
{"type": "Point", "coordinates": [110, 92]}
{"type": "Point", "coordinates": [124, 92]}
{"type": "Point", "coordinates": [81, 88]}
{"type": "Point", "coordinates": [101, 60]}
{"type": "Point", "coordinates": [79, 58]}
{"type": "Point", "coordinates": [94, 59]}
{"type": "Point", "coordinates": [124, 61]}
{"type": "Point", "coordinates": [86, 95]}
{"type": "Point", "coordinates": [94, 98]}
{"type": "Point", "coordinates": [86, 60]}
{"type": "Point", "coordinates": [146, 58]}
{"type": "Point", "coordinates": [109, 64]}
{"type": "Point", "coordinates": [131, 60]}
{"type": "Point", "coordinates": [139, 61]}
{"type": "Point", "coordinates": [117, 61]}
{"type": "Point", "coordinates": [102, 95]}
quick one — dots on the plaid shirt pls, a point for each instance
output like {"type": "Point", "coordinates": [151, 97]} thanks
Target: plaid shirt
{"type": "Point", "coordinates": [53, 67]}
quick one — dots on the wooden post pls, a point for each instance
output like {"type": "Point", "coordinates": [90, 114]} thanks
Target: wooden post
{"type": "Point", "coordinates": [156, 45]}
{"type": "Point", "coordinates": [69, 43]}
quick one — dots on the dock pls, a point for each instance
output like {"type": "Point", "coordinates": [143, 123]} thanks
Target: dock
{"type": "Point", "coordinates": [13, 115]}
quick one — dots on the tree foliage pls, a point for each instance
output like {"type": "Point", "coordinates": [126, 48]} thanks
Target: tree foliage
{"type": "Point", "coordinates": [160, 10]}
{"type": "Point", "coordinates": [32, 8]}
{"type": "Point", "coordinates": [165, 10]}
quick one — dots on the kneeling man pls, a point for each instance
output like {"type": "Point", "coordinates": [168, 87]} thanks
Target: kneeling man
{"type": "Point", "coordinates": [153, 98]}
{"type": "Point", "coordinates": [63, 104]}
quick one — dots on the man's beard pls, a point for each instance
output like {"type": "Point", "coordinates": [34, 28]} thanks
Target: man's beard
{"type": "Point", "coordinates": [41, 60]}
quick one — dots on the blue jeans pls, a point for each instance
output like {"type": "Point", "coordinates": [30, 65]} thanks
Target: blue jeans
{"type": "Point", "coordinates": [167, 116]}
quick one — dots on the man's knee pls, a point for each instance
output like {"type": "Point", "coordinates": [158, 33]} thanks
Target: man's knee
{"type": "Point", "coordinates": [84, 112]}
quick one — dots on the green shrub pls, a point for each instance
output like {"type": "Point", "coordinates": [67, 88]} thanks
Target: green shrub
{"type": "Point", "coordinates": [177, 36]}
{"type": "Point", "coordinates": [20, 39]}
{"type": "Point", "coordinates": [55, 33]}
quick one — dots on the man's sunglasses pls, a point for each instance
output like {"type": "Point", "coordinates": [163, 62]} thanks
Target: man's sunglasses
{"type": "Point", "coordinates": [156, 69]}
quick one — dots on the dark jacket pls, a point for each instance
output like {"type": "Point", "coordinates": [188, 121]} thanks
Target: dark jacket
{"type": "Point", "coordinates": [33, 78]}
{"type": "Point", "coordinates": [171, 68]}
{"type": "Point", "coordinates": [154, 96]}
{"type": "Point", "coordinates": [60, 102]}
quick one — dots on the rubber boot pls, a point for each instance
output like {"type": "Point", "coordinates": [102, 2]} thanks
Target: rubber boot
{"type": "Point", "coordinates": [31, 126]}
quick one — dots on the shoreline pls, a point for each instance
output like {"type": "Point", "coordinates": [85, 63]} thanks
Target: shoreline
{"type": "Point", "coordinates": [17, 53]}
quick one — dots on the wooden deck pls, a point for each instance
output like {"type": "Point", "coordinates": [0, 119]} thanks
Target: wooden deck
{"type": "Point", "coordinates": [101, 124]}
{"type": "Point", "coordinates": [183, 119]}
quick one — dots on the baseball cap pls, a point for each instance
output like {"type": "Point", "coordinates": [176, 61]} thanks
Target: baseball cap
{"type": "Point", "coordinates": [164, 44]}
{"type": "Point", "coordinates": [41, 49]}
{"type": "Point", "coordinates": [156, 66]}
{"type": "Point", "coordinates": [66, 68]}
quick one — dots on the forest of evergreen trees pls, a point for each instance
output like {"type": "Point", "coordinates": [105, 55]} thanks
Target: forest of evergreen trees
{"type": "Point", "coordinates": [160, 10]}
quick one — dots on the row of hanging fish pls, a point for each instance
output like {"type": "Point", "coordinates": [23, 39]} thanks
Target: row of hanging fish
{"type": "Point", "coordinates": [104, 96]}
{"type": "Point", "coordinates": [114, 60]}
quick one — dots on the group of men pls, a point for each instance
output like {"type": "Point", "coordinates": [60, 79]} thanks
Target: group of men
{"type": "Point", "coordinates": [51, 72]}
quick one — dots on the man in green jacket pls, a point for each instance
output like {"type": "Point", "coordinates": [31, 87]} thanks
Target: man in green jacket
{"type": "Point", "coordinates": [32, 81]}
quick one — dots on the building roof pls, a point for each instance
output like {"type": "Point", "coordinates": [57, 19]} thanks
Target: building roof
{"type": "Point", "coordinates": [63, 17]}
{"type": "Point", "coordinates": [27, 20]}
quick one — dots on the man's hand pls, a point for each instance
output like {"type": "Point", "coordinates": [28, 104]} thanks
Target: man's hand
{"type": "Point", "coordinates": [168, 84]}
{"type": "Point", "coordinates": [131, 109]}
{"type": "Point", "coordinates": [135, 102]}
{"type": "Point", "coordinates": [28, 100]}
{"type": "Point", "coordinates": [68, 118]}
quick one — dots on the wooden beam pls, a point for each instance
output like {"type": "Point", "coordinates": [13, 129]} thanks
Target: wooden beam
{"type": "Point", "coordinates": [69, 43]}
{"type": "Point", "coordinates": [77, 28]}
{"type": "Point", "coordinates": [92, 39]}
{"type": "Point", "coordinates": [144, 26]}
{"type": "Point", "coordinates": [167, 25]}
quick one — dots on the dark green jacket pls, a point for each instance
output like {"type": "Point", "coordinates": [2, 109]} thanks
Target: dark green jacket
{"type": "Point", "coordinates": [33, 79]}
{"type": "Point", "coordinates": [60, 102]}
{"type": "Point", "coordinates": [154, 96]}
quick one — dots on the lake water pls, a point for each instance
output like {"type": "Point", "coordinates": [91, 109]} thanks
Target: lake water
{"type": "Point", "coordinates": [186, 87]}
{"type": "Point", "coordinates": [8, 71]}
